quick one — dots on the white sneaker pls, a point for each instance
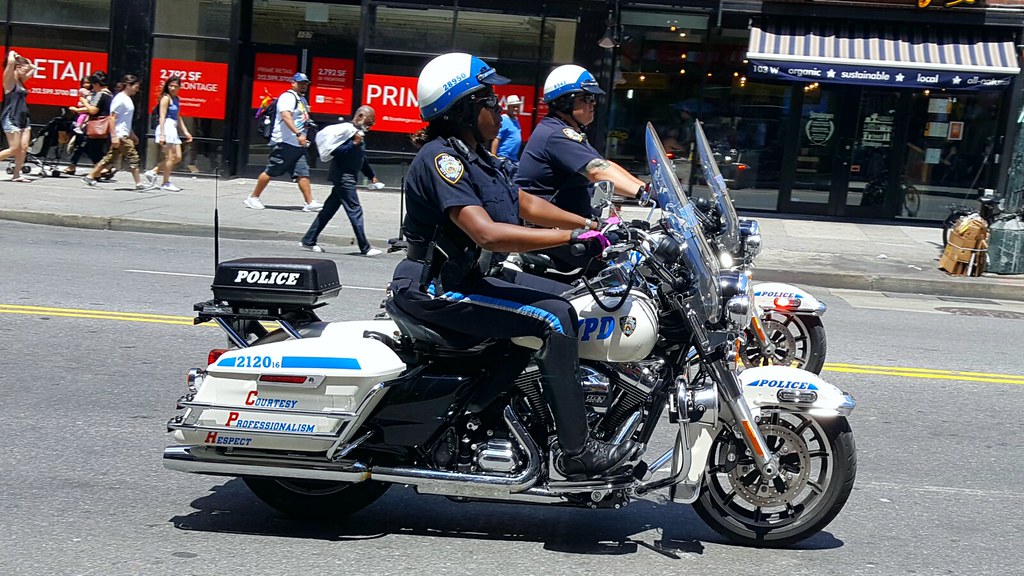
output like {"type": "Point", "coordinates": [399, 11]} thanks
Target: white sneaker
{"type": "Point", "coordinates": [254, 203]}
{"type": "Point", "coordinates": [313, 248]}
{"type": "Point", "coordinates": [151, 176]}
{"type": "Point", "coordinates": [313, 206]}
{"type": "Point", "coordinates": [89, 181]}
{"type": "Point", "coordinates": [372, 252]}
{"type": "Point", "coordinates": [143, 186]}
{"type": "Point", "coordinates": [168, 187]}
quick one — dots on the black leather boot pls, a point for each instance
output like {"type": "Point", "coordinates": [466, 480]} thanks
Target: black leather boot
{"type": "Point", "coordinates": [596, 458]}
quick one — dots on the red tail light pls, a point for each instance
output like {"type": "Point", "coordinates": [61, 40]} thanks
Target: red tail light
{"type": "Point", "coordinates": [669, 155]}
{"type": "Point", "coordinates": [787, 302]}
{"type": "Point", "coordinates": [283, 379]}
{"type": "Point", "coordinates": [742, 167]}
{"type": "Point", "coordinates": [214, 355]}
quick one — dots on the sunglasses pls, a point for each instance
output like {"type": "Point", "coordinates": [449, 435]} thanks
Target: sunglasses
{"type": "Point", "coordinates": [489, 101]}
{"type": "Point", "coordinates": [588, 98]}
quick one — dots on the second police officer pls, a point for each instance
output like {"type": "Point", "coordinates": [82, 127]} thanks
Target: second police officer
{"type": "Point", "coordinates": [558, 163]}
{"type": "Point", "coordinates": [464, 214]}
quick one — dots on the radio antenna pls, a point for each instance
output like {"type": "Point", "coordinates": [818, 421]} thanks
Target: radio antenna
{"type": "Point", "coordinates": [216, 217]}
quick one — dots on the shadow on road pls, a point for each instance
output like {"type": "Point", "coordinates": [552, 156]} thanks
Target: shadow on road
{"type": "Point", "coordinates": [231, 508]}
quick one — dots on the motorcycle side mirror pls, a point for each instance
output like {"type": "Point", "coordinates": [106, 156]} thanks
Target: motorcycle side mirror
{"type": "Point", "coordinates": [644, 199]}
{"type": "Point", "coordinates": [602, 194]}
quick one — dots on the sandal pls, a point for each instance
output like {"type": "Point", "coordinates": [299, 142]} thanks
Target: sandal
{"type": "Point", "coordinates": [21, 179]}
{"type": "Point", "coordinates": [70, 171]}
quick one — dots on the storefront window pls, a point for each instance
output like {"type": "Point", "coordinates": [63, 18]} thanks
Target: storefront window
{"type": "Point", "coordinates": [498, 35]}
{"type": "Point", "coordinates": [559, 42]}
{"type": "Point", "coordinates": [950, 148]}
{"type": "Point", "coordinates": [426, 30]}
{"type": "Point", "coordinates": [62, 12]}
{"type": "Point", "coordinates": [288, 23]}
{"type": "Point", "coordinates": [193, 17]}
{"type": "Point", "coordinates": [202, 64]}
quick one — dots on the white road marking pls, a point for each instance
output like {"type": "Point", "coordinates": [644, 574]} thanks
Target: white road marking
{"type": "Point", "coordinates": [343, 287]}
{"type": "Point", "coordinates": [939, 489]}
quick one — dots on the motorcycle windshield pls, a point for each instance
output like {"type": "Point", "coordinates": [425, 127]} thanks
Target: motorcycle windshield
{"type": "Point", "coordinates": [681, 217]}
{"type": "Point", "coordinates": [730, 238]}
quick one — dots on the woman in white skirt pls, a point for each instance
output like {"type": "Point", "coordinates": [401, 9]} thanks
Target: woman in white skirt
{"type": "Point", "coordinates": [167, 130]}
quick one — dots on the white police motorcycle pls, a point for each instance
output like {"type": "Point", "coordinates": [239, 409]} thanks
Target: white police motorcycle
{"type": "Point", "coordinates": [319, 419]}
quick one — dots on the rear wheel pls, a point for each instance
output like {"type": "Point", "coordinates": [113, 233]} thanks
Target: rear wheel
{"type": "Point", "coordinates": [316, 500]}
{"type": "Point", "coordinates": [818, 466]}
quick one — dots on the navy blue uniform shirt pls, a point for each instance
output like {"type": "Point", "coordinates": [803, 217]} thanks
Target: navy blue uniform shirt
{"type": "Point", "coordinates": [552, 162]}
{"type": "Point", "coordinates": [442, 177]}
{"type": "Point", "coordinates": [349, 158]}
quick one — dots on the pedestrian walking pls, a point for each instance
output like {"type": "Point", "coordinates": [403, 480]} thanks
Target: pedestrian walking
{"type": "Point", "coordinates": [14, 118]}
{"type": "Point", "coordinates": [349, 158]}
{"type": "Point", "coordinates": [169, 122]}
{"type": "Point", "coordinates": [123, 140]}
{"type": "Point", "coordinates": [510, 136]}
{"type": "Point", "coordinates": [81, 106]}
{"type": "Point", "coordinates": [97, 106]}
{"type": "Point", "coordinates": [288, 145]}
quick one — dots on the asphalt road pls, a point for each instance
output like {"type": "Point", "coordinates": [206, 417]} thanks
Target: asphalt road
{"type": "Point", "coordinates": [96, 341]}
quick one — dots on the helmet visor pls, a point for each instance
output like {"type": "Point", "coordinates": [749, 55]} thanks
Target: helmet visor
{"type": "Point", "coordinates": [591, 87]}
{"type": "Point", "coordinates": [491, 77]}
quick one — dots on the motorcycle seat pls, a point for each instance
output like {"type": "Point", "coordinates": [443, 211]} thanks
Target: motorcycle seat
{"type": "Point", "coordinates": [432, 334]}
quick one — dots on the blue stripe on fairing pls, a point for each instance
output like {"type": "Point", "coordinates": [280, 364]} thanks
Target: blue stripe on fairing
{"type": "Point", "coordinates": [524, 309]}
{"type": "Point", "coordinates": [230, 361]}
{"type": "Point", "coordinates": [320, 362]}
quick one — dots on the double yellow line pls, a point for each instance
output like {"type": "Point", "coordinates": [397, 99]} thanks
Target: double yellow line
{"type": "Point", "coordinates": [95, 314]}
{"type": "Point", "coordinates": [925, 373]}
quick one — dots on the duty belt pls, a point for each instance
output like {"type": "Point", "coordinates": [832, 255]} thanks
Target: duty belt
{"type": "Point", "coordinates": [416, 252]}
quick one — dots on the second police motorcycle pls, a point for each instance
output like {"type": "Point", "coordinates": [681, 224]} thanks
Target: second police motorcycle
{"type": "Point", "coordinates": [320, 418]}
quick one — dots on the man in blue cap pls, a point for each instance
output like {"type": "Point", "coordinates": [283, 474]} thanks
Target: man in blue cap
{"type": "Point", "coordinates": [288, 145]}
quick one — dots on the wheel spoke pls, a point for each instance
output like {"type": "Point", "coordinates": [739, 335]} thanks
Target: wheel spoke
{"type": "Point", "coordinates": [815, 487]}
{"type": "Point", "coordinates": [802, 427]}
{"type": "Point", "coordinates": [818, 454]}
{"type": "Point", "coordinates": [758, 515]}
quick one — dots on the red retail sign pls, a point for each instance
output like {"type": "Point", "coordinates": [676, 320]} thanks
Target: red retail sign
{"type": "Point", "coordinates": [204, 86]}
{"type": "Point", "coordinates": [59, 74]}
{"type": "Point", "coordinates": [331, 89]}
{"type": "Point", "coordinates": [272, 75]}
{"type": "Point", "coordinates": [393, 98]}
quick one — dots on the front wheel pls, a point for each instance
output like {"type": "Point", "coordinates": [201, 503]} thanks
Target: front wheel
{"type": "Point", "coordinates": [316, 500]}
{"type": "Point", "coordinates": [797, 340]}
{"type": "Point", "coordinates": [818, 465]}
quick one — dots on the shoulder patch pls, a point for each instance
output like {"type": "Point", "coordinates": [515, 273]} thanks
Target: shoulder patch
{"type": "Point", "coordinates": [573, 135]}
{"type": "Point", "coordinates": [449, 167]}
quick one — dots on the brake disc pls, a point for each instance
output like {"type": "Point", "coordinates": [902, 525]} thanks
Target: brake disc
{"type": "Point", "coordinates": [783, 340]}
{"type": "Point", "coordinates": [758, 491]}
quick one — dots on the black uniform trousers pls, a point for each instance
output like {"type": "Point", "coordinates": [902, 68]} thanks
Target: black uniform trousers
{"type": "Point", "coordinates": [343, 194]}
{"type": "Point", "coordinates": [514, 304]}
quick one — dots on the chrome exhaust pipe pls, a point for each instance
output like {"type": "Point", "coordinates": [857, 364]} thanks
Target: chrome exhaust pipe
{"type": "Point", "coordinates": [471, 485]}
{"type": "Point", "coordinates": [183, 459]}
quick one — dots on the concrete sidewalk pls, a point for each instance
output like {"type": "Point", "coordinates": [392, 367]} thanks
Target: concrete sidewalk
{"type": "Point", "coordinates": [882, 257]}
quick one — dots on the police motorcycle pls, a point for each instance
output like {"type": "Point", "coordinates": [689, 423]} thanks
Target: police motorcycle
{"type": "Point", "coordinates": [786, 328]}
{"type": "Point", "coordinates": [319, 419]}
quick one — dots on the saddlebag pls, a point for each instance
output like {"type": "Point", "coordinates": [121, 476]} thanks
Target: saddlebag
{"type": "Point", "coordinates": [276, 281]}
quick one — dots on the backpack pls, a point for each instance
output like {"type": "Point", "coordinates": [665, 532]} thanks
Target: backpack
{"type": "Point", "coordinates": [154, 117]}
{"type": "Point", "coordinates": [266, 117]}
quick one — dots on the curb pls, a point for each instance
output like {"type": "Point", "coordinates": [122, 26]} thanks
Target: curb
{"type": "Point", "coordinates": [970, 288]}
{"type": "Point", "coordinates": [966, 288]}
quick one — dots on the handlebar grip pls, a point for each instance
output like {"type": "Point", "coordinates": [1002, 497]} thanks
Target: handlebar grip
{"type": "Point", "coordinates": [578, 249]}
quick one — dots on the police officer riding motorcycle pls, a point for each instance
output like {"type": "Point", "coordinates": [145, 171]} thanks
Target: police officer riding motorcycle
{"type": "Point", "coordinates": [464, 215]}
{"type": "Point", "coordinates": [560, 165]}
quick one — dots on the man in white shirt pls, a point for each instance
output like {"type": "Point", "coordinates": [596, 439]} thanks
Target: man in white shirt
{"type": "Point", "coordinates": [122, 139]}
{"type": "Point", "coordinates": [288, 145]}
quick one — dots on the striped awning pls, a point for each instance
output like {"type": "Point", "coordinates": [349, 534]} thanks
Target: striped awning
{"type": "Point", "coordinates": [863, 54]}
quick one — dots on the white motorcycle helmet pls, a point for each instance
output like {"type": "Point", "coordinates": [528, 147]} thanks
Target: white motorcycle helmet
{"type": "Point", "coordinates": [450, 77]}
{"type": "Point", "coordinates": [569, 79]}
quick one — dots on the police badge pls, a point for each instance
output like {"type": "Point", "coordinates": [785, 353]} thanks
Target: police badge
{"type": "Point", "coordinates": [628, 325]}
{"type": "Point", "coordinates": [573, 135]}
{"type": "Point", "coordinates": [449, 167]}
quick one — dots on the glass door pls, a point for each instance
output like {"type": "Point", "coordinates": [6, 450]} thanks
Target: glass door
{"type": "Point", "coordinates": [869, 180]}
{"type": "Point", "coordinates": [822, 155]}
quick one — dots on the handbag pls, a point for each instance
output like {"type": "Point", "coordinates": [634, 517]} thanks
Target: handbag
{"type": "Point", "coordinates": [98, 128]}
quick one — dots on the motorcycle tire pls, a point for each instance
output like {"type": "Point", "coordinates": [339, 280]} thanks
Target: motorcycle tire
{"type": "Point", "coordinates": [736, 506]}
{"type": "Point", "coordinates": [316, 500]}
{"type": "Point", "coordinates": [806, 337]}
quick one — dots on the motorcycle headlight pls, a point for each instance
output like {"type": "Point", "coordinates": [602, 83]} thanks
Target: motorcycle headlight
{"type": "Point", "coordinates": [738, 293]}
{"type": "Point", "coordinates": [750, 236]}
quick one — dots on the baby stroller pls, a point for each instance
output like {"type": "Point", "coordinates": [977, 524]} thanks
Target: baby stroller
{"type": "Point", "coordinates": [44, 150]}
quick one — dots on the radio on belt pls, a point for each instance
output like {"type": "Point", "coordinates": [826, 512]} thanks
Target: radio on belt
{"type": "Point", "coordinates": [281, 281]}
